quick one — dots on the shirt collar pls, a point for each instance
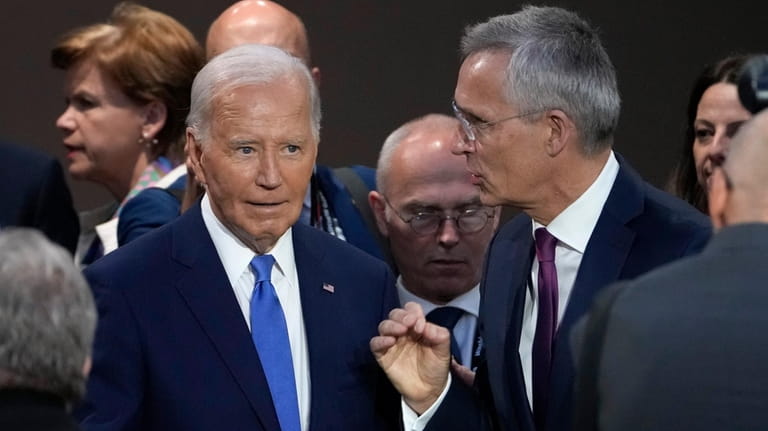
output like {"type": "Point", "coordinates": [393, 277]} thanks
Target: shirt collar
{"type": "Point", "coordinates": [573, 227]}
{"type": "Point", "coordinates": [468, 301]}
{"type": "Point", "coordinates": [236, 256]}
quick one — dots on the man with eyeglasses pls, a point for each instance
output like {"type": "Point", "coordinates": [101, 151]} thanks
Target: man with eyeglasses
{"type": "Point", "coordinates": [438, 230]}
{"type": "Point", "coordinates": [538, 103]}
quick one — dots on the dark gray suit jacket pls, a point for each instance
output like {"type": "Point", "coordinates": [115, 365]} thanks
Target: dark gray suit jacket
{"type": "Point", "coordinates": [683, 347]}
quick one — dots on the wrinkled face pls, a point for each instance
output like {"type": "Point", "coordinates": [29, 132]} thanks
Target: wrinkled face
{"type": "Point", "coordinates": [101, 126]}
{"type": "Point", "coordinates": [426, 178]}
{"type": "Point", "coordinates": [507, 159]}
{"type": "Point", "coordinates": [718, 118]}
{"type": "Point", "coordinates": [257, 164]}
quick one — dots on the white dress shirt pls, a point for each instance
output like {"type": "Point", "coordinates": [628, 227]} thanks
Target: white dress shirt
{"type": "Point", "coordinates": [573, 227]}
{"type": "Point", "coordinates": [465, 328]}
{"type": "Point", "coordinates": [236, 259]}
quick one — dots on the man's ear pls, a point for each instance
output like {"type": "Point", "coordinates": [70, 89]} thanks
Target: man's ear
{"type": "Point", "coordinates": [155, 114]}
{"type": "Point", "coordinates": [561, 131]}
{"type": "Point", "coordinates": [718, 198]}
{"type": "Point", "coordinates": [315, 71]}
{"type": "Point", "coordinates": [195, 156]}
{"type": "Point", "coordinates": [378, 206]}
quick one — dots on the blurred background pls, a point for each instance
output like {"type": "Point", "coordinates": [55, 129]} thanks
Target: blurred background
{"type": "Point", "coordinates": [385, 62]}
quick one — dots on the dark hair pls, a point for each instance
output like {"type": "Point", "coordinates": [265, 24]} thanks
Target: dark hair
{"type": "Point", "coordinates": [685, 182]}
{"type": "Point", "coordinates": [150, 56]}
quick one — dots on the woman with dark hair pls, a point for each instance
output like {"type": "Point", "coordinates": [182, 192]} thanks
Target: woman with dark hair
{"type": "Point", "coordinates": [714, 115]}
{"type": "Point", "coordinates": [127, 93]}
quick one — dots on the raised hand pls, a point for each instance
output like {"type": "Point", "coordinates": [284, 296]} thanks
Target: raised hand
{"type": "Point", "coordinates": [415, 355]}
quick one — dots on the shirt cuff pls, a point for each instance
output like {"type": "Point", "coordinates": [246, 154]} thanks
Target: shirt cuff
{"type": "Point", "coordinates": [414, 422]}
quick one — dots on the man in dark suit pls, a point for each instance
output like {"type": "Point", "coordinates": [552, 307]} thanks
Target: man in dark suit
{"type": "Point", "coordinates": [537, 99]}
{"type": "Point", "coordinates": [35, 194]}
{"type": "Point", "coordinates": [682, 347]}
{"type": "Point", "coordinates": [336, 198]}
{"type": "Point", "coordinates": [438, 230]}
{"type": "Point", "coordinates": [47, 319]}
{"type": "Point", "coordinates": [234, 316]}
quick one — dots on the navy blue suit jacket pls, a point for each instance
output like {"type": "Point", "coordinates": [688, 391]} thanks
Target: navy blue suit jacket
{"type": "Point", "coordinates": [640, 228]}
{"type": "Point", "coordinates": [173, 352]}
{"type": "Point", "coordinates": [35, 194]}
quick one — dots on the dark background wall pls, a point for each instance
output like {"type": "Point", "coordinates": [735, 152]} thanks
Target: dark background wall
{"type": "Point", "coordinates": [385, 62]}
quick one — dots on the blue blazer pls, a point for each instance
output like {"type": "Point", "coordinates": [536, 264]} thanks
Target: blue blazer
{"type": "Point", "coordinates": [173, 352]}
{"type": "Point", "coordinates": [35, 194]}
{"type": "Point", "coordinates": [640, 228]}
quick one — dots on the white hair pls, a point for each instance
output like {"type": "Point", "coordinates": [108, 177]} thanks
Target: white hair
{"type": "Point", "coordinates": [47, 316]}
{"type": "Point", "coordinates": [557, 62]}
{"type": "Point", "coordinates": [244, 65]}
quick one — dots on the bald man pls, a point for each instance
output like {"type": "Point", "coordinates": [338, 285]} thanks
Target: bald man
{"type": "Point", "coordinates": [438, 230]}
{"type": "Point", "coordinates": [259, 21]}
{"type": "Point", "coordinates": [683, 347]}
{"type": "Point", "coordinates": [336, 202]}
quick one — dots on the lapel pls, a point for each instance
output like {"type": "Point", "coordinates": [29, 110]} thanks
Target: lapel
{"type": "Point", "coordinates": [318, 306]}
{"type": "Point", "coordinates": [602, 264]}
{"type": "Point", "coordinates": [502, 300]}
{"type": "Point", "coordinates": [204, 286]}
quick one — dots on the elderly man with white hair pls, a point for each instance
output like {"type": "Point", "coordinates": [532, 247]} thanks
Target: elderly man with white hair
{"type": "Point", "coordinates": [235, 316]}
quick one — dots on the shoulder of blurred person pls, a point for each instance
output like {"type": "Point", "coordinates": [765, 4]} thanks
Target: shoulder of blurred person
{"type": "Point", "coordinates": [659, 329]}
{"type": "Point", "coordinates": [47, 321]}
{"type": "Point", "coordinates": [35, 194]}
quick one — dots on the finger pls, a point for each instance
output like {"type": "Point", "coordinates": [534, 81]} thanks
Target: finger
{"type": "Point", "coordinates": [463, 373]}
{"type": "Point", "coordinates": [436, 335]}
{"type": "Point", "coordinates": [392, 328]}
{"type": "Point", "coordinates": [380, 344]}
{"type": "Point", "coordinates": [413, 307]}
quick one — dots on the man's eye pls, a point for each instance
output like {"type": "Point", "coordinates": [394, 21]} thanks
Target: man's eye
{"type": "Point", "coordinates": [245, 150]}
{"type": "Point", "coordinates": [292, 149]}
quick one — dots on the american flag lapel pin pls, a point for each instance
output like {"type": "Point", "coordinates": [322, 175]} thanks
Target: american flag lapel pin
{"type": "Point", "coordinates": [328, 288]}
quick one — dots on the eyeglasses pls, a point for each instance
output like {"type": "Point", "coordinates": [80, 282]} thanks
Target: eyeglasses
{"type": "Point", "coordinates": [472, 127]}
{"type": "Point", "coordinates": [470, 220]}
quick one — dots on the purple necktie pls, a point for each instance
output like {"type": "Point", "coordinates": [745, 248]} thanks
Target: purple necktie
{"type": "Point", "coordinates": [546, 323]}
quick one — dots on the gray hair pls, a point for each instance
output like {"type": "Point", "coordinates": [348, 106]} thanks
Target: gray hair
{"type": "Point", "coordinates": [432, 121]}
{"type": "Point", "coordinates": [557, 62]}
{"type": "Point", "coordinates": [47, 316]}
{"type": "Point", "coordinates": [244, 65]}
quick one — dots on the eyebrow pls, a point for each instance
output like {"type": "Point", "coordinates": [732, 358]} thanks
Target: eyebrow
{"type": "Point", "coordinates": [469, 113]}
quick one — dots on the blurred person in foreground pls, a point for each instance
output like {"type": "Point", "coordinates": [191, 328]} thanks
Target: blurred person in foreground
{"type": "Point", "coordinates": [537, 100]}
{"type": "Point", "coordinates": [437, 228]}
{"type": "Point", "coordinates": [714, 115]}
{"type": "Point", "coordinates": [240, 317]}
{"type": "Point", "coordinates": [683, 347]}
{"type": "Point", "coordinates": [47, 319]}
{"type": "Point", "coordinates": [127, 93]}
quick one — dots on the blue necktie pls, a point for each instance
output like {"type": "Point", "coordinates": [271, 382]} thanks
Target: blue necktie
{"type": "Point", "coordinates": [270, 336]}
{"type": "Point", "coordinates": [447, 317]}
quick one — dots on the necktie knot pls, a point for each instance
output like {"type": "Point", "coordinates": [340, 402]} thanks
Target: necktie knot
{"type": "Point", "coordinates": [446, 317]}
{"type": "Point", "coordinates": [545, 245]}
{"type": "Point", "coordinates": [262, 267]}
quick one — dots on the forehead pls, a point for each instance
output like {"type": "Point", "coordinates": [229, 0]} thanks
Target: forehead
{"type": "Point", "coordinates": [482, 79]}
{"type": "Point", "coordinates": [283, 103]}
{"type": "Point", "coordinates": [722, 99]}
{"type": "Point", "coordinates": [423, 164]}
